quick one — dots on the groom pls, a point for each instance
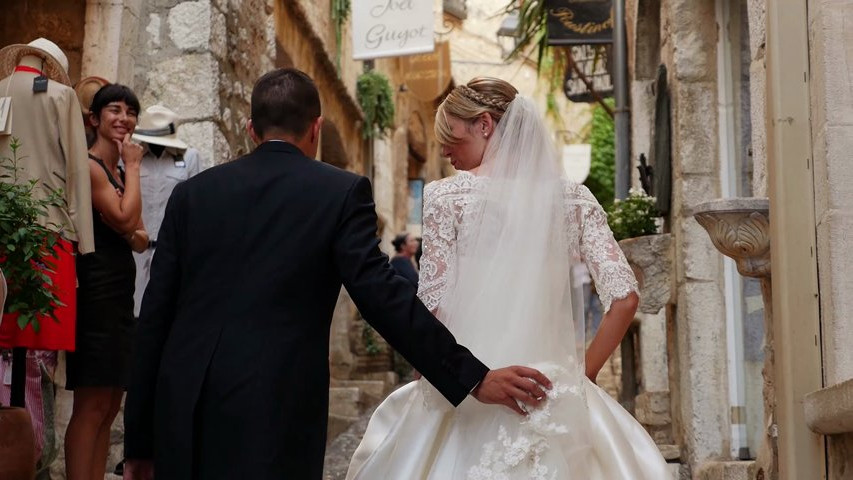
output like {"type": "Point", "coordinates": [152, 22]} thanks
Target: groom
{"type": "Point", "coordinates": [230, 376]}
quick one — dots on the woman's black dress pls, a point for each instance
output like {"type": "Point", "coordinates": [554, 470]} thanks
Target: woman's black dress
{"type": "Point", "coordinates": [105, 322]}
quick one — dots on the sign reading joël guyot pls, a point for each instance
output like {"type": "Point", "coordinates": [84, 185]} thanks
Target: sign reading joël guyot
{"type": "Point", "coordinates": [385, 28]}
{"type": "Point", "coordinates": [574, 22]}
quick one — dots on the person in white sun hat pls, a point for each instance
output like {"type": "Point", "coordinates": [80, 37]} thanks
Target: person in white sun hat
{"type": "Point", "coordinates": [167, 162]}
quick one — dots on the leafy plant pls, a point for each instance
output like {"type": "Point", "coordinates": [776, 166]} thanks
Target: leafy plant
{"type": "Point", "coordinates": [634, 216]}
{"type": "Point", "coordinates": [376, 98]}
{"type": "Point", "coordinates": [602, 169]}
{"type": "Point", "coordinates": [370, 344]}
{"type": "Point", "coordinates": [552, 61]}
{"type": "Point", "coordinates": [532, 29]}
{"type": "Point", "coordinates": [26, 245]}
{"type": "Point", "coordinates": [340, 12]}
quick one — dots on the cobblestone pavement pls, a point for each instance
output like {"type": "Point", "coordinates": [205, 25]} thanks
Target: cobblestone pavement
{"type": "Point", "coordinates": [339, 452]}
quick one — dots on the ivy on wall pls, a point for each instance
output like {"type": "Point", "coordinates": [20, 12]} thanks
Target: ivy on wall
{"type": "Point", "coordinates": [340, 13]}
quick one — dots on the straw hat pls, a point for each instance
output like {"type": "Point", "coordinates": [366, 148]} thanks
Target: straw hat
{"type": "Point", "coordinates": [86, 90]}
{"type": "Point", "coordinates": [157, 126]}
{"type": "Point", "coordinates": [55, 61]}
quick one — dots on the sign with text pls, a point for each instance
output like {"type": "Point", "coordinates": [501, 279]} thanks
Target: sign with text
{"type": "Point", "coordinates": [575, 22]}
{"type": "Point", "coordinates": [428, 75]}
{"type": "Point", "coordinates": [588, 76]}
{"type": "Point", "coordinates": [388, 28]}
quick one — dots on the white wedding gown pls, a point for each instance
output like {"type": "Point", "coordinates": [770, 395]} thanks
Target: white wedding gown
{"type": "Point", "coordinates": [580, 433]}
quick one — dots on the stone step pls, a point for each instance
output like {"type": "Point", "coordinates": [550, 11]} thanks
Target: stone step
{"type": "Point", "coordinates": [374, 391]}
{"type": "Point", "coordinates": [337, 425]}
{"type": "Point", "coordinates": [346, 401]}
{"type": "Point", "coordinates": [670, 452]}
{"type": "Point", "coordinates": [718, 470]}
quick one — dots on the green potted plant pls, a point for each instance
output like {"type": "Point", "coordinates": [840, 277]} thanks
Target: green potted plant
{"type": "Point", "coordinates": [26, 252]}
{"type": "Point", "coordinates": [634, 216]}
{"type": "Point", "coordinates": [634, 221]}
{"type": "Point", "coordinates": [376, 98]}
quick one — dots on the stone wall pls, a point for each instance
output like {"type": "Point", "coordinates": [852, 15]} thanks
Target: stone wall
{"type": "Point", "coordinates": [686, 42]}
{"type": "Point", "coordinates": [201, 58]}
{"type": "Point", "coordinates": [831, 62]}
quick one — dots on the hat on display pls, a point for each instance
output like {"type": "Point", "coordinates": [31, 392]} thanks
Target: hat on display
{"type": "Point", "coordinates": [86, 90]}
{"type": "Point", "coordinates": [157, 126]}
{"type": "Point", "coordinates": [55, 62]}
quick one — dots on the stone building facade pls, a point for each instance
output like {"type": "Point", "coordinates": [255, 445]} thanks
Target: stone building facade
{"type": "Point", "coordinates": [760, 104]}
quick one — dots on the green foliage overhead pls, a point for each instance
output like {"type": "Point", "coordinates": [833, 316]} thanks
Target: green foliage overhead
{"type": "Point", "coordinates": [376, 99]}
{"type": "Point", "coordinates": [602, 169]}
{"type": "Point", "coordinates": [634, 216]}
{"type": "Point", "coordinates": [26, 245]}
{"type": "Point", "coordinates": [340, 12]}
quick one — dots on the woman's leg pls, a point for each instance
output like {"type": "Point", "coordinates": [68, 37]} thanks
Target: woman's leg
{"type": "Point", "coordinates": [91, 407]}
{"type": "Point", "coordinates": [102, 448]}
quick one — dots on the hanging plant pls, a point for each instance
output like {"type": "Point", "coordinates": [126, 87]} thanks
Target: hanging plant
{"type": "Point", "coordinates": [376, 99]}
{"type": "Point", "coordinates": [340, 12]}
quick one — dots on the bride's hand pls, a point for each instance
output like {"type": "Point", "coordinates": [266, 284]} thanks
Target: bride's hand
{"type": "Point", "coordinates": [512, 385]}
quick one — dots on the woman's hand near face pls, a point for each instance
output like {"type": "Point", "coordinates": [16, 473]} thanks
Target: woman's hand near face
{"type": "Point", "coordinates": [130, 152]}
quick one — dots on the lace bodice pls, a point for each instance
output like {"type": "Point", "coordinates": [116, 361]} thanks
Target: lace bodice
{"type": "Point", "coordinates": [446, 202]}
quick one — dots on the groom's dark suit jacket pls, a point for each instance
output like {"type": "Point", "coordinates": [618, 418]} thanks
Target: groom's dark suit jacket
{"type": "Point", "coordinates": [230, 372]}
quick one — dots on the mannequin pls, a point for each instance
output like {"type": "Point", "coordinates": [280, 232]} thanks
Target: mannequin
{"type": "Point", "coordinates": [47, 122]}
{"type": "Point", "coordinates": [53, 151]}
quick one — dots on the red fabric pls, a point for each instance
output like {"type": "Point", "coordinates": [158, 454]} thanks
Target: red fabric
{"type": "Point", "coordinates": [24, 68]}
{"type": "Point", "coordinates": [53, 335]}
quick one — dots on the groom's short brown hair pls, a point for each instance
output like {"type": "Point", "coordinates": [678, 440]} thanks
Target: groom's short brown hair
{"type": "Point", "coordinates": [285, 100]}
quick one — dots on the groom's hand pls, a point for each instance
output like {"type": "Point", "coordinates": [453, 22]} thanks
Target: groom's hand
{"type": "Point", "coordinates": [138, 470]}
{"type": "Point", "coordinates": [511, 385]}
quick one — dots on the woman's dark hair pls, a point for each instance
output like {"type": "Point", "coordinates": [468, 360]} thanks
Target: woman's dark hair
{"type": "Point", "coordinates": [398, 241]}
{"type": "Point", "coordinates": [285, 100]}
{"type": "Point", "coordinates": [113, 92]}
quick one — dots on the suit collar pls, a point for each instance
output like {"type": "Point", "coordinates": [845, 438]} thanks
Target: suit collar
{"type": "Point", "coordinates": [278, 147]}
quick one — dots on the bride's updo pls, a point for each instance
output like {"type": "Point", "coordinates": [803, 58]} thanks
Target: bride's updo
{"type": "Point", "coordinates": [467, 102]}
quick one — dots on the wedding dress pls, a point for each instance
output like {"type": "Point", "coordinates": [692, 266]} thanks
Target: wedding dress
{"type": "Point", "coordinates": [498, 247]}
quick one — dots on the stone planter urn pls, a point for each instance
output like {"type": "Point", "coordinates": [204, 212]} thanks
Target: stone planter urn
{"type": "Point", "coordinates": [650, 256]}
{"type": "Point", "coordinates": [740, 229]}
{"type": "Point", "coordinates": [17, 445]}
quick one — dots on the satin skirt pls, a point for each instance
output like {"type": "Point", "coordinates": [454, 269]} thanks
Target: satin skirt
{"type": "Point", "coordinates": [406, 439]}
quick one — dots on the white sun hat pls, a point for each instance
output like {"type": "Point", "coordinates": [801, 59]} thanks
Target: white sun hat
{"type": "Point", "coordinates": [157, 126]}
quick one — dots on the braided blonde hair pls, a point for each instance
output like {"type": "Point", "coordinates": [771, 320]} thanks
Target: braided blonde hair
{"type": "Point", "coordinates": [467, 102]}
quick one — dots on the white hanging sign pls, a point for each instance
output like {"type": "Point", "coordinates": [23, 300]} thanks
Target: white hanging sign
{"type": "Point", "coordinates": [388, 28]}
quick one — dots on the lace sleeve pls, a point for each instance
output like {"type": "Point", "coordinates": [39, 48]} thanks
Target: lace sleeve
{"type": "Point", "coordinates": [610, 271]}
{"type": "Point", "coordinates": [438, 237]}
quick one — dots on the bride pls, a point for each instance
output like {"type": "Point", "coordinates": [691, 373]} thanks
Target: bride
{"type": "Point", "coordinates": [499, 239]}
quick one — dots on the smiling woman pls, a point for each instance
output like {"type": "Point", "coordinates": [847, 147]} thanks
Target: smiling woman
{"type": "Point", "coordinates": [97, 371]}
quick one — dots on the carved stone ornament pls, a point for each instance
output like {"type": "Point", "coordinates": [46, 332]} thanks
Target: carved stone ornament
{"type": "Point", "coordinates": [740, 229]}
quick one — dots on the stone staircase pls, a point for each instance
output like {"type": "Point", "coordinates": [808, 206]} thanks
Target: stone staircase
{"type": "Point", "coordinates": [350, 399]}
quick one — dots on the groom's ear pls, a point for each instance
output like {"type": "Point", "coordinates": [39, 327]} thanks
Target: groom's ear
{"type": "Point", "coordinates": [316, 128]}
{"type": "Point", "coordinates": [250, 127]}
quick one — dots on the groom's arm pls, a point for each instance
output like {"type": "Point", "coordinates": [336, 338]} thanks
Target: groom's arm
{"type": "Point", "coordinates": [390, 304]}
{"type": "Point", "coordinates": [155, 320]}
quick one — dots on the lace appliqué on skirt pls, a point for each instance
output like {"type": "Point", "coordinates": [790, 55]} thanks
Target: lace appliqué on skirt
{"type": "Point", "coordinates": [522, 457]}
